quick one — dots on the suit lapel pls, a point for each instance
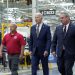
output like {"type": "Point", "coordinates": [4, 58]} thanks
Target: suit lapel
{"type": "Point", "coordinates": [42, 28]}
{"type": "Point", "coordinates": [61, 30]}
{"type": "Point", "coordinates": [35, 31]}
{"type": "Point", "coordinates": [68, 30]}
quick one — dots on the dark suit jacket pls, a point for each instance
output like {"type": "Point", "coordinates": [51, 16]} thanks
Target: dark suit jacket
{"type": "Point", "coordinates": [68, 41]}
{"type": "Point", "coordinates": [43, 41]}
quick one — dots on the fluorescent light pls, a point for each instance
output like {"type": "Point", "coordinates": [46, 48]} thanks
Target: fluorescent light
{"type": "Point", "coordinates": [40, 0]}
{"type": "Point", "coordinates": [66, 4]}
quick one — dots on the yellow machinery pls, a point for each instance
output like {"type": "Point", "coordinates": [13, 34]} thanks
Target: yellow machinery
{"type": "Point", "coordinates": [5, 25]}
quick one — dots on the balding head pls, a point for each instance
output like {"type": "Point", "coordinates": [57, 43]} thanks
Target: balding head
{"type": "Point", "coordinates": [38, 18]}
{"type": "Point", "coordinates": [13, 24]}
{"type": "Point", "coordinates": [13, 27]}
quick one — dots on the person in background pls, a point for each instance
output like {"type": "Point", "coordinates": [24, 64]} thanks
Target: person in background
{"type": "Point", "coordinates": [40, 42]}
{"type": "Point", "coordinates": [64, 41]}
{"type": "Point", "coordinates": [14, 43]}
{"type": "Point", "coordinates": [0, 45]}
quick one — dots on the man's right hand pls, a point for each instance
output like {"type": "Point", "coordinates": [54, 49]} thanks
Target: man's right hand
{"type": "Point", "coordinates": [1, 48]}
{"type": "Point", "coordinates": [54, 53]}
{"type": "Point", "coordinates": [30, 53]}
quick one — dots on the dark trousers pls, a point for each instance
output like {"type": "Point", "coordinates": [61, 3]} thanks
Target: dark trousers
{"type": "Point", "coordinates": [65, 65]}
{"type": "Point", "coordinates": [13, 63]}
{"type": "Point", "coordinates": [35, 62]}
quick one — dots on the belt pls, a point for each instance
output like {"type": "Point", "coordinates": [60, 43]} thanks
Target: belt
{"type": "Point", "coordinates": [14, 54]}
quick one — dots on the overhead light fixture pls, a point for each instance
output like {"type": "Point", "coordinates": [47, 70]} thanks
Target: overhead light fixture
{"type": "Point", "coordinates": [40, 0]}
{"type": "Point", "coordinates": [66, 4]}
{"type": "Point", "coordinates": [1, 1]}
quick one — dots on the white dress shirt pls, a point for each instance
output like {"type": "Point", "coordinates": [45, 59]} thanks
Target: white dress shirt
{"type": "Point", "coordinates": [40, 26]}
{"type": "Point", "coordinates": [66, 27]}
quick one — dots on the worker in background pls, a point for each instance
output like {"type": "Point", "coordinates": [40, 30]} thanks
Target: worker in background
{"type": "Point", "coordinates": [0, 45]}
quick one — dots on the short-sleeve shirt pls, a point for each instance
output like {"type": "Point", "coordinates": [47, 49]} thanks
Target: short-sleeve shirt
{"type": "Point", "coordinates": [13, 43]}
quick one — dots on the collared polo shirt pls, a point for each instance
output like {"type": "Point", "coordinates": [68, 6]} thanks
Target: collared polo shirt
{"type": "Point", "coordinates": [13, 43]}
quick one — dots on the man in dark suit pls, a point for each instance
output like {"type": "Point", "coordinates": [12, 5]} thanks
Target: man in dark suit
{"type": "Point", "coordinates": [40, 41]}
{"type": "Point", "coordinates": [64, 45]}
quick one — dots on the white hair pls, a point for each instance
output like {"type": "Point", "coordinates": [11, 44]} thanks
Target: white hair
{"type": "Point", "coordinates": [64, 13]}
{"type": "Point", "coordinates": [39, 14]}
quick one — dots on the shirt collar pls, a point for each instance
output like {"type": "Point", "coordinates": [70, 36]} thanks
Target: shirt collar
{"type": "Point", "coordinates": [68, 25]}
{"type": "Point", "coordinates": [40, 25]}
{"type": "Point", "coordinates": [13, 33]}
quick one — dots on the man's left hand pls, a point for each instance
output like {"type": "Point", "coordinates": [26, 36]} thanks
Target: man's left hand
{"type": "Point", "coordinates": [45, 53]}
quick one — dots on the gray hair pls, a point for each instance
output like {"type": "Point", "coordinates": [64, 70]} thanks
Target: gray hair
{"type": "Point", "coordinates": [65, 14]}
{"type": "Point", "coordinates": [39, 14]}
